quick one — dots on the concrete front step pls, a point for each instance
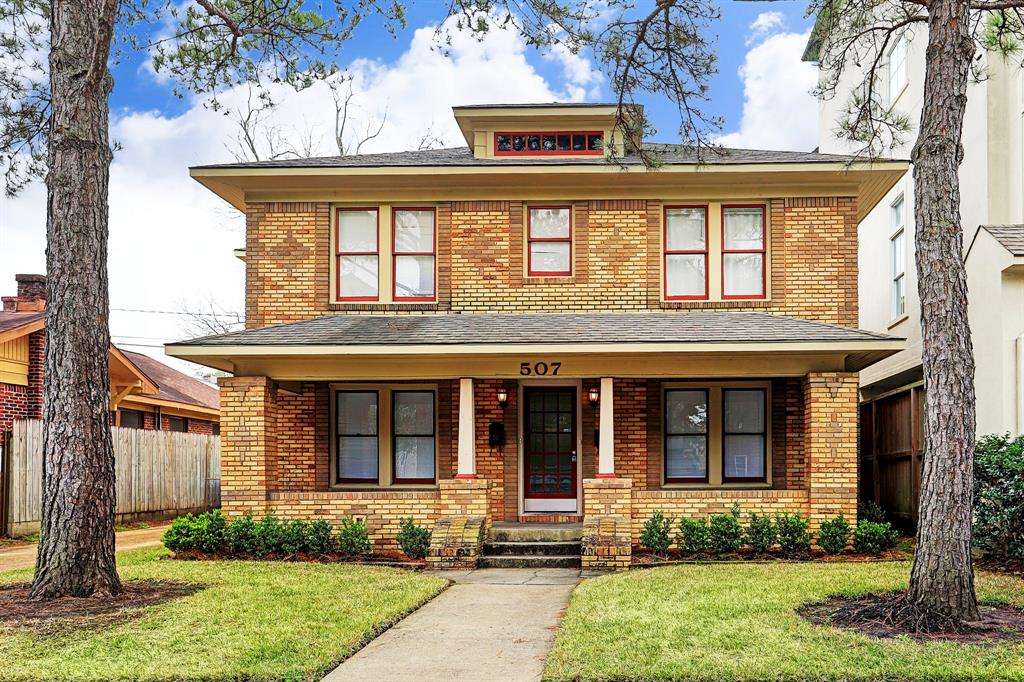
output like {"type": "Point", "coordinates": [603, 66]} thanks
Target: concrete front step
{"type": "Point", "coordinates": [570, 548]}
{"type": "Point", "coordinates": [536, 532]}
{"type": "Point", "coordinates": [530, 561]}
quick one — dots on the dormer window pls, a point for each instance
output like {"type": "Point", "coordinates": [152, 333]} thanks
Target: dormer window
{"type": "Point", "coordinates": [549, 143]}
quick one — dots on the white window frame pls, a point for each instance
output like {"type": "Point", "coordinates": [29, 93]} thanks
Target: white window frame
{"type": "Point", "coordinates": [898, 252]}
{"type": "Point", "coordinates": [896, 69]}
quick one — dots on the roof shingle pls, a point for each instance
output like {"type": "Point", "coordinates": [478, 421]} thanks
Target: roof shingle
{"type": "Point", "coordinates": [1010, 236]}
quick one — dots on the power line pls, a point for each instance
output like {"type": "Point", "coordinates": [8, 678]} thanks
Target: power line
{"type": "Point", "coordinates": [175, 312]}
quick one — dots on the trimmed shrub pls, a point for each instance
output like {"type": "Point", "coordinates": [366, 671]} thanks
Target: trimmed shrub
{"type": "Point", "coordinates": [999, 496]}
{"type": "Point", "coordinates": [412, 539]}
{"type": "Point", "coordinates": [692, 537]}
{"type": "Point", "coordinates": [240, 536]}
{"type": "Point", "coordinates": [761, 533]}
{"type": "Point", "coordinates": [294, 537]}
{"type": "Point", "coordinates": [353, 537]}
{"type": "Point", "coordinates": [794, 536]}
{"type": "Point", "coordinates": [179, 536]}
{"type": "Point", "coordinates": [318, 538]}
{"type": "Point", "coordinates": [204, 532]}
{"type": "Point", "coordinates": [869, 510]}
{"type": "Point", "coordinates": [725, 532]}
{"type": "Point", "coordinates": [655, 533]}
{"type": "Point", "coordinates": [873, 538]}
{"type": "Point", "coordinates": [834, 535]}
{"type": "Point", "coordinates": [268, 534]}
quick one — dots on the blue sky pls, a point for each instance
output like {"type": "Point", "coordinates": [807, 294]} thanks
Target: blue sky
{"type": "Point", "coordinates": [171, 241]}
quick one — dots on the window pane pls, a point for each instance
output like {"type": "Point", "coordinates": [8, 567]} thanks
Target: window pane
{"type": "Point", "coordinates": [357, 457]}
{"type": "Point", "coordinates": [357, 231]}
{"type": "Point", "coordinates": [898, 257]}
{"type": "Point", "coordinates": [686, 412]}
{"type": "Point", "coordinates": [743, 457]}
{"type": "Point", "coordinates": [898, 298]}
{"type": "Point", "coordinates": [595, 143]}
{"type": "Point", "coordinates": [357, 413]}
{"type": "Point", "coordinates": [685, 229]}
{"type": "Point", "coordinates": [686, 457]}
{"type": "Point", "coordinates": [358, 276]}
{"type": "Point", "coordinates": [549, 257]}
{"type": "Point", "coordinates": [684, 274]}
{"type": "Point", "coordinates": [549, 223]}
{"type": "Point", "coordinates": [414, 231]}
{"type": "Point", "coordinates": [414, 457]}
{"type": "Point", "coordinates": [744, 274]}
{"type": "Point", "coordinates": [414, 413]}
{"type": "Point", "coordinates": [131, 419]}
{"type": "Point", "coordinates": [744, 411]}
{"type": "Point", "coordinates": [744, 229]}
{"type": "Point", "coordinates": [897, 213]}
{"type": "Point", "coordinates": [504, 143]}
{"type": "Point", "coordinates": [414, 276]}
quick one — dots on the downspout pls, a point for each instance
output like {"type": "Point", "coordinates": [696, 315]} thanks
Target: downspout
{"type": "Point", "coordinates": [1019, 384]}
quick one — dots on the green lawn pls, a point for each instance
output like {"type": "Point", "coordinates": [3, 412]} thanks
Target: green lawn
{"type": "Point", "coordinates": [254, 620]}
{"type": "Point", "coordinates": [737, 622]}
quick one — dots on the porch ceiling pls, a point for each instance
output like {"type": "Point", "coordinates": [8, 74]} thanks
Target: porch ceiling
{"type": "Point", "coordinates": [510, 345]}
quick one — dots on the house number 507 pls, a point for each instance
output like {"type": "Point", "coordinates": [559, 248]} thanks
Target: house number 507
{"type": "Point", "coordinates": [539, 368]}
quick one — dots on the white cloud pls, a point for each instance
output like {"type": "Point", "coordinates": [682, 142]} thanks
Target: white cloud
{"type": "Point", "coordinates": [765, 23]}
{"type": "Point", "coordinates": [170, 241]}
{"type": "Point", "coordinates": [778, 110]}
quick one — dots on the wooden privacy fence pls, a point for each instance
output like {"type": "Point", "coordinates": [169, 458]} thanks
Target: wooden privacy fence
{"type": "Point", "coordinates": [158, 474]}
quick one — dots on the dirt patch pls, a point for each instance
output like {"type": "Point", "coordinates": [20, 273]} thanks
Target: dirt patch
{"type": "Point", "coordinates": [883, 616]}
{"type": "Point", "coordinates": [19, 610]}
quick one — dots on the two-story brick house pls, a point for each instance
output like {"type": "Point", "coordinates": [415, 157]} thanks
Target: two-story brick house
{"type": "Point", "coordinates": [522, 330]}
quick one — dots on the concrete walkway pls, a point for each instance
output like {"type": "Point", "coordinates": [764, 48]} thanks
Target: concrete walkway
{"type": "Point", "coordinates": [492, 624]}
{"type": "Point", "coordinates": [24, 556]}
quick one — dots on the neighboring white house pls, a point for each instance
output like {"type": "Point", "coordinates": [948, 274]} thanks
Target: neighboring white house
{"type": "Point", "coordinates": [992, 194]}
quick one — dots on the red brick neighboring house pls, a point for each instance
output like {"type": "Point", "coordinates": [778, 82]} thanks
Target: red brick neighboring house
{"type": "Point", "coordinates": [144, 393]}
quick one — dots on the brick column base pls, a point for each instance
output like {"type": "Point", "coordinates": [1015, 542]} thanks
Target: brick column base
{"type": "Point", "coordinates": [458, 534]}
{"type": "Point", "coordinates": [830, 445]}
{"type": "Point", "coordinates": [248, 443]}
{"type": "Point", "coordinates": [607, 523]}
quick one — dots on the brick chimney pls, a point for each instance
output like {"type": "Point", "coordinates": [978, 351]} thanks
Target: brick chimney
{"type": "Point", "coordinates": [31, 296]}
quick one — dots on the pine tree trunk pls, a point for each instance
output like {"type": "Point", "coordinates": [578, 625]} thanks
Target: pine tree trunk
{"type": "Point", "coordinates": [942, 578]}
{"type": "Point", "coordinates": [76, 548]}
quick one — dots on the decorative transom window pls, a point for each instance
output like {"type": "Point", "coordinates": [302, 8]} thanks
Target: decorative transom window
{"type": "Point", "coordinates": [415, 252]}
{"type": "Point", "coordinates": [385, 435]}
{"type": "Point", "coordinates": [548, 143]}
{"type": "Point", "coordinates": [549, 241]}
{"type": "Point", "coordinates": [686, 252]}
{"type": "Point", "coordinates": [716, 434]}
{"type": "Point", "coordinates": [743, 252]}
{"type": "Point", "coordinates": [898, 260]}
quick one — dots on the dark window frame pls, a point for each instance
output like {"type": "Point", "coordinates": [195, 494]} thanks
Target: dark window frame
{"type": "Point", "coordinates": [182, 420]}
{"type": "Point", "coordinates": [665, 436]}
{"type": "Point", "coordinates": [395, 480]}
{"type": "Point", "coordinates": [765, 417]}
{"type": "Point", "coordinates": [141, 416]}
{"type": "Point", "coordinates": [338, 435]}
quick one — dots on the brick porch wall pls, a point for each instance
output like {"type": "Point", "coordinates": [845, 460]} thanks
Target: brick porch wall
{"type": "Point", "coordinates": [25, 402]}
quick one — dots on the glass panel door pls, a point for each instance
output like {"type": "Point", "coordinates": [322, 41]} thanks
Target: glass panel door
{"type": "Point", "coordinates": [550, 442]}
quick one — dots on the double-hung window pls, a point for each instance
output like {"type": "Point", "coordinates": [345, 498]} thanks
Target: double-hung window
{"type": "Point", "coordinates": [357, 254]}
{"type": "Point", "coordinates": [414, 246]}
{"type": "Point", "coordinates": [686, 435]}
{"type": "Point", "coordinates": [686, 252]}
{"type": "Point", "coordinates": [744, 434]}
{"type": "Point", "coordinates": [898, 260]}
{"type": "Point", "coordinates": [549, 241]}
{"type": "Point", "coordinates": [743, 252]}
{"type": "Point", "coordinates": [385, 435]}
{"type": "Point", "coordinates": [896, 66]}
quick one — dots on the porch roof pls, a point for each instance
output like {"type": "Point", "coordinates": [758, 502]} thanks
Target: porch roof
{"type": "Point", "coordinates": [716, 332]}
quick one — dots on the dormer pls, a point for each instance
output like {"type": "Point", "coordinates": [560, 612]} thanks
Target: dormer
{"type": "Point", "coordinates": [537, 131]}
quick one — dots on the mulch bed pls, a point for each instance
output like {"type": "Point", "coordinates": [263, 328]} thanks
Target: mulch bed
{"type": "Point", "coordinates": [881, 616]}
{"type": "Point", "coordinates": [642, 557]}
{"type": "Point", "coordinates": [390, 559]}
{"type": "Point", "coordinates": [19, 610]}
{"type": "Point", "coordinates": [1007, 566]}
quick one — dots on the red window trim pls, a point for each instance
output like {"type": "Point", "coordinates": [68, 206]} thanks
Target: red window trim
{"type": "Point", "coordinates": [338, 479]}
{"type": "Point", "coordinates": [338, 253]}
{"type": "Point", "coordinates": [763, 251]}
{"type": "Point", "coordinates": [394, 437]}
{"type": "Point", "coordinates": [395, 254]}
{"type": "Point", "coordinates": [763, 433]}
{"type": "Point", "coordinates": [530, 239]}
{"type": "Point", "coordinates": [665, 434]}
{"type": "Point", "coordinates": [665, 253]}
{"type": "Point", "coordinates": [525, 152]}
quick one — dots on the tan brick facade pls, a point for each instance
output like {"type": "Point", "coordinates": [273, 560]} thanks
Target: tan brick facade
{"type": "Point", "coordinates": [830, 421]}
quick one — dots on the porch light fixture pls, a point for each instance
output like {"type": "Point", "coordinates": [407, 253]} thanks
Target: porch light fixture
{"type": "Point", "coordinates": [594, 396]}
{"type": "Point", "coordinates": [502, 398]}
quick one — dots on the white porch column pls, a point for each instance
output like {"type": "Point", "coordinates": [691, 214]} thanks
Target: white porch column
{"type": "Point", "coordinates": [606, 426]}
{"type": "Point", "coordinates": [467, 430]}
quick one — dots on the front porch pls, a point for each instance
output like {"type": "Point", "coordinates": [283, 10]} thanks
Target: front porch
{"type": "Point", "coordinates": [284, 449]}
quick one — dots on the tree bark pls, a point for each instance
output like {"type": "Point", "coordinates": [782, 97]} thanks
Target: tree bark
{"type": "Point", "coordinates": [942, 577]}
{"type": "Point", "coordinates": [76, 548]}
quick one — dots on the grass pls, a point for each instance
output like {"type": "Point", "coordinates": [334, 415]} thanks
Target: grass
{"type": "Point", "coordinates": [737, 622]}
{"type": "Point", "coordinates": [254, 620]}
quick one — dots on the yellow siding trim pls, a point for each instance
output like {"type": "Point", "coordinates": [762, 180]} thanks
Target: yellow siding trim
{"type": "Point", "coordinates": [14, 361]}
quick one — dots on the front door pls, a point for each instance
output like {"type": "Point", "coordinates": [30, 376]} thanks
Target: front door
{"type": "Point", "coordinates": [549, 450]}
